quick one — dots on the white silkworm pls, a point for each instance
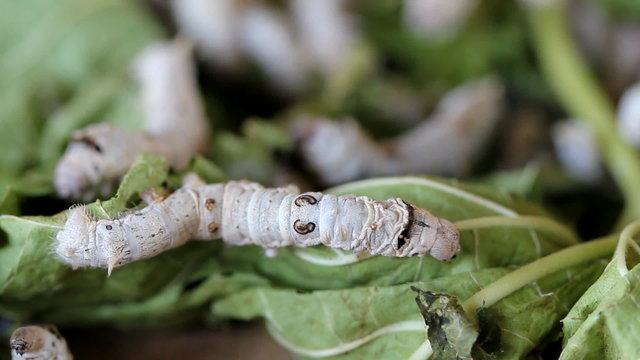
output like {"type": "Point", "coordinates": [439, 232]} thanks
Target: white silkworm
{"type": "Point", "coordinates": [243, 213]}
{"type": "Point", "coordinates": [175, 127]}
{"type": "Point", "coordinates": [437, 19]}
{"type": "Point", "coordinates": [96, 158]}
{"type": "Point", "coordinates": [316, 35]}
{"type": "Point", "coordinates": [39, 342]}
{"type": "Point", "coordinates": [445, 144]}
{"type": "Point", "coordinates": [267, 38]}
{"type": "Point", "coordinates": [213, 26]}
{"type": "Point", "coordinates": [577, 150]}
{"type": "Point", "coordinates": [326, 30]}
{"type": "Point", "coordinates": [629, 115]}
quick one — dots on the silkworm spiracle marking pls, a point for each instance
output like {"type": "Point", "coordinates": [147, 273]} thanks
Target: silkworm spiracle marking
{"type": "Point", "coordinates": [247, 213]}
{"type": "Point", "coordinates": [305, 199]}
{"type": "Point", "coordinates": [302, 228]}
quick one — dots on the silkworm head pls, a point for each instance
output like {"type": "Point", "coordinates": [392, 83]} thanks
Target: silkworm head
{"type": "Point", "coordinates": [77, 171]}
{"type": "Point", "coordinates": [111, 244]}
{"type": "Point", "coordinates": [75, 244]}
{"type": "Point", "coordinates": [96, 157]}
{"type": "Point", "coordinates": [27, 339]}
{"type": "Point", "coordinates": [447, 243]}
{"type": "Point", "coordinates": [85, 242]}
{"type": "Point", "coordinates": [432, 235]}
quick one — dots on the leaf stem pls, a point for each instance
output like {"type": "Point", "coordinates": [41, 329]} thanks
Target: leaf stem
{"type": "Point", "coordinates": [535, 270]}
{"type": "Point", "coordinates": [431, 184]}
{"type": "Point", "coordinates": [408, 325]}
{"type": "Point", "coordinates": [567, 236]}
{"type": "Point", "coordinates": [626, 238]}
{"type": "Point", "coordinates": [579, 93]}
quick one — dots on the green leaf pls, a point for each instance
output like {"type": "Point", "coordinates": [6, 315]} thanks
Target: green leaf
{"type": "Point", "coordinates": [243, 158]}
{"type": "Point", "coordinates": [529, 316]}
{"type": "Point", "coordinates": [498, 230]}
{"type": "Point", "coordinates": [525, 183]}
{"type": "Point", "coordinates": [384, 322]}
{"type": "Point", "coordinates": [364, 322]}
{"type": "Point", "coordinates": [204, 168]}
{"type": "Point", "coordinates": [207, 170]}
{"type": "Point", "coordinates": [267, 133]}
{"type": "Point", "coordinates": [183, 299]}
{"type": "Point", "coordinates": [602, 324]}
{"type": "Point", "coordinates": [146, 172]}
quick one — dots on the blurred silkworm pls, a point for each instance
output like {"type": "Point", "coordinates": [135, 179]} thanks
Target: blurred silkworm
{"type": "Point", "coordinates": [174, 113]}
{"type": "Point", "coordinates": [213, 26]}
{"type": "Point", "coordinates": [590, 25]}
{"type": "Point", "coordinates": [623, 56]}
{"type": "Point", "coordinates": [227, 31]}
{"type": "Point", "coordinates": [327, 32]}
{"type": "Point", "coordinates": [576, 146]}
{"type": "Point", "coordinates": [577, 150]}
{"type": "Point", "coordinates": [629, 115]}
{"type": "Point", "coordinates": [284, 43]}
{"type": "Point", "coordinates": [609, 43]}
{"type": "Point", "coordinates": [175, 126]}
{"type": "Point", "coordinates": [243, 213]}
{"type": "Point", "coordinates": [267, 38]}
{"type": "Point", "coordinates": [39, 342]}
{"type": "Point", "coordinates": [437, 19]}
{"type": "Point", "coordinates": [445, 144]}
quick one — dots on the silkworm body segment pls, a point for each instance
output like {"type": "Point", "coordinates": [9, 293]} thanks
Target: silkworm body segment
{"type": "Point", "coordinates": [244, 213]}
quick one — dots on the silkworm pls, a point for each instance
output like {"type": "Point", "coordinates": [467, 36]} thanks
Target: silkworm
{"type": "Point", "coordinates": [175, 127]}
{"type": "Point", "coordinates": [225, 31]}
{"type": "Point", "coordinates": [243, 213]}
{"type": "Point", "coordinates": [444, 144]}
{"type": "Point", "coordinates": [39, 342]}
{"type": "Point", "coordinates": [267, 38]}
{"type": "Point", "coordinates": [437, 19]}
{"type": "Point", "coordinates": [213, 26]}
{"type": "Point", "coordinates": [629, 115]}
{"type": "Point", "coordinates": [577, 150]}
{"type": "Point", "coordinates": [327, 31]}
{"type": "Point", "coordinates": [285, 45]}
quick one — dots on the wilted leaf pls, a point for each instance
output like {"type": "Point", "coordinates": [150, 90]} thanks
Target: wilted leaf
{"type": "Point", "coordinates": [359, 323]}
{"type": "Point", "coordinates": [527, 317]}
{"type": "Point", "coordinates": [602, 324]}
{"type": "Point", "coordinates": [451, 333]}
{"type": "Point", "coordinates": [384, 321]}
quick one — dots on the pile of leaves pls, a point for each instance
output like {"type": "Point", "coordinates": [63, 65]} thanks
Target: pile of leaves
{"type": "Point", "coordinates": [524, 278]}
